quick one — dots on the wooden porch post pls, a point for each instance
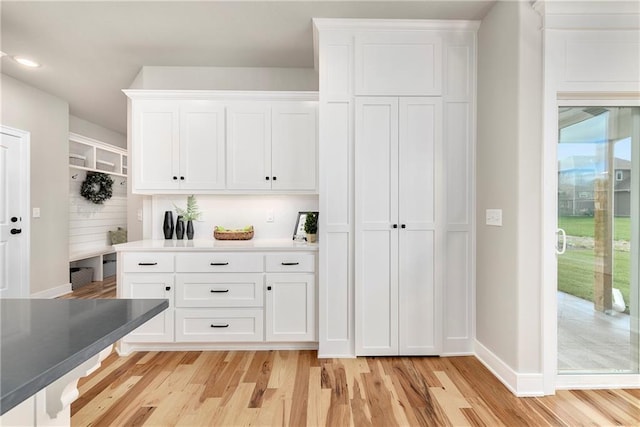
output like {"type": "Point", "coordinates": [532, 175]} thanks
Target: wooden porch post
{"type": "Point", "coordinates": [603, 245]}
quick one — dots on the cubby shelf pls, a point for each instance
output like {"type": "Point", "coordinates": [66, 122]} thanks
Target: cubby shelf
{"type": "Point", "coordinates": [92, 155]}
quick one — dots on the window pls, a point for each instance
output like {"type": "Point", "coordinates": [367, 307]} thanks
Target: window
{"type": "Point", "coordinates": [619, 175]}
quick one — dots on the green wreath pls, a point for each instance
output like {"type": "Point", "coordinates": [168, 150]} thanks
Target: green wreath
{"type": "Point", "coordinates": [97, 187]}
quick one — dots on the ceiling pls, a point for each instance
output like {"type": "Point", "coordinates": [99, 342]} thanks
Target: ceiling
{"type": "Point", "coordinates": [90, 50]}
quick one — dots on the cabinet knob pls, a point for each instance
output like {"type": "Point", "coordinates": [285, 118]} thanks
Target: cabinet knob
{"type": "Point", "coordinates": [175, 178]}
{"type": "Point", "coordinates": [268, 288]}
{"type": "Point", "coordinates": [168, 288]}
{"type": "Point", "coordinates": [182, 178]}
{"type": "Point", "coordinates": [403, 226]}
{"type": "Point", "coordinates": [14, 219]}
{"type": "Point", "coordinates": [267, 178]}
{"type": "Point", "coordinates": [16, 230]}
{"type": "Point", "coordinates": [275, 177]}
{"type": "Point", "coordinates": [395, 226]}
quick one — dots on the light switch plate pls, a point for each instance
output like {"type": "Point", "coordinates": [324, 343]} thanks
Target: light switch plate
{"type": "Point", "coordinates": [36, 213]}
{"type": "Point", "coordinates": [270, 215]}
{"type": "Point", "coordinates": [494, 217]}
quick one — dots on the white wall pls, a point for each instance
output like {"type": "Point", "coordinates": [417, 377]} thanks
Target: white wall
{"type": "Point", "coordinates": [91, 130]}
{"type": "Point", "coordinates": [47, 118]}
{"type": "Point", "coordinates": [226, 78]}
{"type": "Point", "coordinates": [508, 285]}
{"type": "Point", "coordinates": [236, 212]}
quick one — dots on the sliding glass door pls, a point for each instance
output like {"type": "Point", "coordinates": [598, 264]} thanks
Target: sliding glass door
{"type": "Point", "coordinates": [598, 213]}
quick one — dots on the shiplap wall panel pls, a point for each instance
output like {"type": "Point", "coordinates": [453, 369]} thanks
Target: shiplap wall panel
{"type": "Point", "coordinates": [89, 223]}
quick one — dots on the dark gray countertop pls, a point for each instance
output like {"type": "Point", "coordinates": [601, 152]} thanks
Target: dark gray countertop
{"type": "Point", "coordinates": [43, 339]}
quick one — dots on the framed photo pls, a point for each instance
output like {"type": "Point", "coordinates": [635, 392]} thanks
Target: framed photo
{"type": "Point", "coordinates": [298, 233]}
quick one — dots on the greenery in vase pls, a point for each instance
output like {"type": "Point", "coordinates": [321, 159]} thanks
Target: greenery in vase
{"type": "Point", "coordinates": [192, 212]}
{"type": "Point", "coordinates": [311, 223]}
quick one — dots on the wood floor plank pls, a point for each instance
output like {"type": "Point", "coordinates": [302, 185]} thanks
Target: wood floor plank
{"type": "Point", "coordinates": [295, 388]}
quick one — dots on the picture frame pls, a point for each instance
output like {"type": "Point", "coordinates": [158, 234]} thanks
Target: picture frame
{"type": "Point", "coordinates": [298, 232]}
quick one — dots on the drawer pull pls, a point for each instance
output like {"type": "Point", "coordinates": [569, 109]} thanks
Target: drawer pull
{"type": "Point", "coordinates": [147, 263]}
{"type": "Point", "coordinates": [290, 263]}
{"type": "Point", "coordinates": [219, 291]}
{"type": "Point", "coordinates": [219, 263]}
{"type": "Point", "coordinates": [220, 326]}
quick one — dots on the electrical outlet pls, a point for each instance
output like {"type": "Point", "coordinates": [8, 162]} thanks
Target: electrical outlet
{"type": "Point", "coordinates": [270, 215]}
{"type": "Point", "coordinates": [494, 217]}
{"type": "Point", "coordinates": [139, 214]}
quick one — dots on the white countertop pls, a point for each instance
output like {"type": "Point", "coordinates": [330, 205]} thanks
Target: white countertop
{"type": "Point", "coordinates": [257, 245]}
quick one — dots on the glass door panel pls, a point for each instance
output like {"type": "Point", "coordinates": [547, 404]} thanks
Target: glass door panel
{"type": "Point", "coordinates": [598, 212]}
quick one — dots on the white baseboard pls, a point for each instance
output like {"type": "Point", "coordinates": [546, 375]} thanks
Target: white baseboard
{"type": "Point", "coordinates": [522, 385]}
{"type": "Point", "coordinates": [53, 292]}
{"type": "Point", "coordinates": [596, 381]}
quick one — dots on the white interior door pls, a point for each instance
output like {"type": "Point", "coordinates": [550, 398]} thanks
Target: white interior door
{"type": "Point", "coordinates": [14, 211]}
{"type": "Point", "coordinates": [418, 292]}
{"type": "Point", "coordinates": [376, 146]}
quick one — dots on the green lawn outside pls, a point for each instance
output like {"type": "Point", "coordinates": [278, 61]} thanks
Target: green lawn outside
{"type": "Point", "coordinates": [583, 226]}
{"type": "Point", "coordinates": [575, 273]}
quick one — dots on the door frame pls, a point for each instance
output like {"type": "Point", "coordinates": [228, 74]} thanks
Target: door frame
{"type": "Point", "coordinates": [25, 189]}
{"type": "Point", "coordinates": [552, 380]}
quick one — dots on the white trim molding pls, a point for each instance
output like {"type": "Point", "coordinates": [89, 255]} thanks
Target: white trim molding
{"type": "Point", "coordinates": [520, 384]}
{"type": "Point", "coordinates": [53, 292]}
{"type": "Point", "coordinates": [222, 95]}
{"type": "Point", "coordinates": [597, 381]}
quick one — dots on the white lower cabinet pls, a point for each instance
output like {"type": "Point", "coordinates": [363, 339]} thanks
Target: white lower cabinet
{"type": "Point", "coordinates": [290, 307]}
{"type": "Point", "coordinates": [141, 286]}
{"type": "Point", "coordinates": [217, 297]}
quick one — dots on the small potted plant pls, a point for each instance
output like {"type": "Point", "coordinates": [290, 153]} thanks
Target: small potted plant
{"type": "Point", "coordinates": [311, 226]}
{"type": "Point", "coordinates": [190, 214]}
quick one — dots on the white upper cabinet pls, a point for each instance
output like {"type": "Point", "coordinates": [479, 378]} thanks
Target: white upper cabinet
{"type": "Point", "coordinates": [249, 146]}
{"type": "Point", "coordinates": [219, 142]}
{"type": "Point", "coordinates": [201, 145]}
{"type": "Point", "coordinates": [293, 147]}
{"type": "Point", "coordinates": [178, 145]}
{"type": "Point", "coordinates": [272, 146]}
{"type": "Point", "coordinates": [398, 63]}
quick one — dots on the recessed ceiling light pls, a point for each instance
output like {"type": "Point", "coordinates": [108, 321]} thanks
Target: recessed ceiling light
{"type": "Point", "coordinates": [26, 62]}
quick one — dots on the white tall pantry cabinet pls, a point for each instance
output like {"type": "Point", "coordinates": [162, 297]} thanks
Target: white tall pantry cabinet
{"type": "Point", "coordinates": [397, 126]}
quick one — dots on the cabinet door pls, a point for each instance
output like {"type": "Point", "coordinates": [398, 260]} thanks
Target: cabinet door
{"type": "Point", "coordinates": [155, 145]}
{"type": "Point", "coordinates": [249, 147]}
{"type": "Point", "coordinates": [201, 145]}
{"type": "Point", "coordinates": [294, 147]}
{"type": "Point", "coordinates": [376, 217]}
{"type": "Point", "coordinates": [290, 307]}
{"type": "Point", "coordinates": [419, 182]}
{"type": "Point", "coordinates": [139, 286]}
{"type": "Point", "coordinates": [398, 63]}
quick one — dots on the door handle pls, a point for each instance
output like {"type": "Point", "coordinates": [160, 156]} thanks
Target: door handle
{"type": "Point", "coordinates": [563, 247]}
{"type": "Point", "coordinates": [16, 230]}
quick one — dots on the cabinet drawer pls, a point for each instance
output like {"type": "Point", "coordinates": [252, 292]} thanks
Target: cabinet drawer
{"type": "Point", "coordinates": [219, 289]}
{"type": "Point", "coordinates": [219, 262]}
{"type": "Point", "coordinates": [219, 325]}
{"type": "Point", "coordinates": [290, 262]}
{"type": "Point", "coordinates": [152, 262]}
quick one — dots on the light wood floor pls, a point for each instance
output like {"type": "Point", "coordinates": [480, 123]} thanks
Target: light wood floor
{"type": "Point", "coordinates": [295, 388]}
{"type": "Point", "coordinates": [103, 289]}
